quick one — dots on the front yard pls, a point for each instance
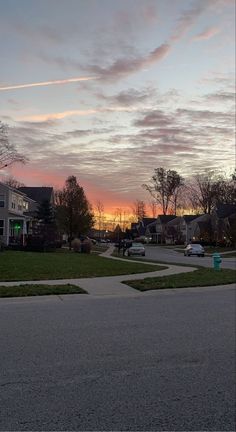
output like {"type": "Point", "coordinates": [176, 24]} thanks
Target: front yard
{"type": "Point", "coordinates": [17, 266]}
{"type": "Point", "coordinates": [200, 277]}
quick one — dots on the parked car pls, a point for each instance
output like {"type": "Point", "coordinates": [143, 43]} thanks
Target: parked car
{"type": "Point", "coordinates": [136, 249]}
{"type": "Point", "coordinates": [194, 249]}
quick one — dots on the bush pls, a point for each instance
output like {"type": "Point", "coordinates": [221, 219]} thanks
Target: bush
{"type": "Point", "coordinates": [76, 245]}
{"type": "Point", "coordinates": [86, 246]}
{"type": "Point", "coordinates": [2, 246]}
{"type": "Point", "coordinates": [39, 244]}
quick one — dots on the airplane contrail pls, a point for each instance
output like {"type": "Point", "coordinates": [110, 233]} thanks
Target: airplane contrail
{"type": "Point", "coordinates": [46, 83]}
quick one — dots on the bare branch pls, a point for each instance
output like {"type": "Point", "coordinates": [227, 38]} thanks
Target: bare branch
{"type": "Point", "coordinates": [8, 153]}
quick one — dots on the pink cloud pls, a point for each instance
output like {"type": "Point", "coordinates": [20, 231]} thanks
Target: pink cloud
{"type": "Point", "coordinates": [126, 66]}
{"type": "Point", "coordinates": [206, 34]}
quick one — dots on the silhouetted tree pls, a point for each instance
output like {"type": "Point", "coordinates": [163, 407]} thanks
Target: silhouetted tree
{"type": "Point", "coordinates": [8, 153]}
{"type": "Point", "coordinates": [164, 187]}
{"type": "Point", "coordinates": [74, 212]}
{"type": "Point", "coordinates": [12, 182]}
{"type": "Point", "coordinates": [139, 210]}
{"type": "Point", "coordinates": [209, 189]}
{"type": "Point", "coordinates": [99, 208]}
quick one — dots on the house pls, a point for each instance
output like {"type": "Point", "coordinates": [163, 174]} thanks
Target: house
{"type": "Point", "coordinates": [179, 230]}
{"type": "Point", "coordinates": [38, 195]}
{"type": "Point", "coordinates": [224, 220]}
{"type": "Point", "coordinates": [187, 227]}
{"type": "Point", "coordinates": [157, 229]}
{"type": "Point", "coordinates": [139, 229]}
{"type": "Point", "coordinates": [18, 211]}
{"type": "Point", "coordinates": [202, 228]}
{"type": "Point", "coordinates": [15, 221]}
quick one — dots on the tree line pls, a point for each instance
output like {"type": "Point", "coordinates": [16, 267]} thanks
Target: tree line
{"type": "Point", "coordinates": [199, 194]}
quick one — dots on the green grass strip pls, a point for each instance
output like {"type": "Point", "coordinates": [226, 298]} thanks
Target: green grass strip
{"type": "Point", "coordinates": [200, 277]}
{"type": "Point", "coordinates": [22, 266]}
{"type": "Point", "coordinates": [39, 290]}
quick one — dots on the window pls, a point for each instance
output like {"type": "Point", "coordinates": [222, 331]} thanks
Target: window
{"type": "Point", "coordinates": [25, 205]}
{"type": "Point", "coordinates": [1, 227]}
{"type": "Point", "coordinates": [2, 201]}
{"type": "Point", "coordinates": [13, 204]}
{"type": "Point", "coordinates": [20, 204]}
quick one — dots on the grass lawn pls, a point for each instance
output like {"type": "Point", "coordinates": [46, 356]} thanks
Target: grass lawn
{"type": "Point", "coordinates": [229, 255]}
{"type": "Point", "coordinates": [199, 277]}
{"type": "Point", "coordinates": [211, 249]}
{"type": "Point", "coordinates": [38, 290]}
{"type": "Point", "coordinates": [16, 265]}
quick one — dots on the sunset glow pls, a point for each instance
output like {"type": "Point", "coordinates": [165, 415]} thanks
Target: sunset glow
{"type": "Point", "coordinates": [108, 91]}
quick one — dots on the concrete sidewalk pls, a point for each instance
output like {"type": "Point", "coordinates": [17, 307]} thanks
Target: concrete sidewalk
{"type": "Point", "coordinates": [109, 285]}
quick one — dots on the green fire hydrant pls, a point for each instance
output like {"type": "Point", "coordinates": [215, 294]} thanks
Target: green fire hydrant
{"type": "Point", "coordinates": [216, 260]}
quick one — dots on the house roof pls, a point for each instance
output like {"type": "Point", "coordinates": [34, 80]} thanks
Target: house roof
{"type": "Point", "coordinates": [176, 221]}
{"type": "Point", "coordinates": [190, 218]}
{"type": "Point", "coordinates": [202, 218]}
{"type": "Point", "coordinates": [146, 221]}
{"type": "Point", "coordinates": [38, 194]}
{"type": "Point", "coordinates": [225, 210]}
{"type": "Point", "coordinates": [166, 218]}
{"type": "Point", "coordinates": [17, 191]}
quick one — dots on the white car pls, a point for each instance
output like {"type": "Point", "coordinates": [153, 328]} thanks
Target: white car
{"type": "Point", "coordinates": [136, 249]}
{"type": "Point", "coordinates": [194, 249]}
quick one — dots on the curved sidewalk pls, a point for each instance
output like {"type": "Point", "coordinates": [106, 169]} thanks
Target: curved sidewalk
{"type": "Point", "coordinates": [109, 285]}
{"type": "Point", "coordinates": [113, 286]}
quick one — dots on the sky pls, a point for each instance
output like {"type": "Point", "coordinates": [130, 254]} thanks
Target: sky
{"type": "Point", "coordinates": [110, 90]}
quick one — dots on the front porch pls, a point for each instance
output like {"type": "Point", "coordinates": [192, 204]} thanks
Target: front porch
{"type": "Point", "coordinates": [18, 230]}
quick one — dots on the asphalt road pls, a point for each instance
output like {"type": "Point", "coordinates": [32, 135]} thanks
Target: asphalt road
{"type": "Point", "coordinates": [162, 362]}
{"type": "Point", "coordinates": [166, 254]}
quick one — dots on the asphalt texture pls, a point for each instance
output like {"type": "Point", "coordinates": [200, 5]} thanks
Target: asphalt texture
{"type": "Point", "coordinates": [165, 254]}
{"type": "Point", "coordinates": [155, 363]}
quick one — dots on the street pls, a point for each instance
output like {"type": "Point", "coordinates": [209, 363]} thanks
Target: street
{"type": "Point", "coordinates": [163, 361]}
{"type": "Point", "coordinates": [169, 255]}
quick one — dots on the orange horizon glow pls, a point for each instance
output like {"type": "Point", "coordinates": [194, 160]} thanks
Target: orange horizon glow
{"type": "Point", "coordinates": [39, 177]}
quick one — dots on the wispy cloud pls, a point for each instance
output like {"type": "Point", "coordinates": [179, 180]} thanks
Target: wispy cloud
{"type": "Point", "coordinates": [188, 18]}
{"type": "Point", "coordinates": [61, 115]}
{"type": "Point", "coordinates": [221, 96]}
{"type": "Point", "coordinates": [130, 96]}
{"type": "Point", "coordinates": [46, 83]}
{"type": "Point", "coordinates": [206, 34]}
{"type": "Point", "coordinates": [126, 66]}
{"type": "Point", "coordinates": [57, 115]}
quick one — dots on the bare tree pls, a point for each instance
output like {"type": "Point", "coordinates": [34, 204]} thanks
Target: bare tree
{"type": "Point", "coordinates": [121, 217]}
{"type": "Point", "coordinates": [164, 187]}
{"type": "Point", "coordinates": [139, 209]}
{"type": "Point", "coordinates": [153, 208]}
{"type": "Point", "coordinates": [12, 182]}
{"type": "Point", "coordinates": [211, 188]}
{"type": "Point", "coordinates": [8, 153]}
{"type": "Point", "coordinates": [99, 212]}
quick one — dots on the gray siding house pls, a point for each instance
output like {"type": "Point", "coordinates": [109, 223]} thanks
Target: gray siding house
{"type": "Point", "coordinates": [14, 216]}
